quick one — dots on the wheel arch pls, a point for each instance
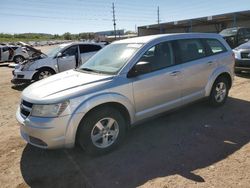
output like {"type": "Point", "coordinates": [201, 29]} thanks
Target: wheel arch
{"type": "Point", "coordinates": [116, 101]}
{"type": "Point", "coordinates": [219, 73]}
{"type": "Point", "coordinates": [43, 68]}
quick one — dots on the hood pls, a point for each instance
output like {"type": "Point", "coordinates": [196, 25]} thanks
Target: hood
{"type": "Point", "coordinates": [64, 85]}
{"type": "Point", "coordinates": [228, 35]}
{"type": "Point", "coordinates": [244, 46]}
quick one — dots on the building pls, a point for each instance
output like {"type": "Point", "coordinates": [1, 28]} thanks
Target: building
{"type": "Point", "coordinates": [209, 24]}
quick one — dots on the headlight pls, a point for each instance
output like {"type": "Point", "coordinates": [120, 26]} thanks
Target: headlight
{"type": "Point", "coordinates": [51, 110]}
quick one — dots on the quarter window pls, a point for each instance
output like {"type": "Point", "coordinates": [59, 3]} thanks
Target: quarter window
{"type": "Point", "coordinates": [215, 46]}
{"type": "Point", "coordinates": [190, 49]}
{"type": "Point", "coordinates": [159, 56]}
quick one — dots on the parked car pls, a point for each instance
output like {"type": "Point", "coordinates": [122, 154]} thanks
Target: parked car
{"type": "Point", "coordinates": [126, 82]}
{"type": "Point", "coordinates": [242, 57]}
{"type": "Point", "coordinates": [59, 59]}
{"type": "Point", "coordinates": [13, 53]}
{"type": "Point", "coordinates": [236, 36]}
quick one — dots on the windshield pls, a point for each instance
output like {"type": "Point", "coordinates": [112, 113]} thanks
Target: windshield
{"type": "Point", "coordinates": [111, 58]}
{"type": "Point", "coordinates": [229, 32]}
{"type": "Point", "coordinates": [53, 52]}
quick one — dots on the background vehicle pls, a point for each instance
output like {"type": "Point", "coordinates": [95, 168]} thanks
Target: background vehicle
{"type": "Point", "coordinates": [59, 59]}
{"type": "Point", "coordinates": [236, 35]}
{"type": "Point", "coordinates": [242, 57]}
{"type": "Point", "coordinates": [17, 53]}
{"type": "Point", "coordinates": [126, 82]}
{"type": "Point", "coordinates": [13, 53]}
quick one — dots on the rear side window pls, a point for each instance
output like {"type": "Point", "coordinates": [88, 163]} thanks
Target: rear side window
{"type": "Point", "coordinates": [190, 49]}
{"type": "Point", "coordinates": [215, 46]}
{"type": "Point", "coordinates": [84, 48]}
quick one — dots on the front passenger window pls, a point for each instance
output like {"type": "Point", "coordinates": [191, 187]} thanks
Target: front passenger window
{"type": "Point", "coordinates": [71, 51]}
{"type": "Point", "coordinates": [159, 56]}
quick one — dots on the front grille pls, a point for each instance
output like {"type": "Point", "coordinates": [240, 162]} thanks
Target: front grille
{"type": "Point", "coordinates": [245, 55]}
{"type": "Point", "coordinates": [25, 108]}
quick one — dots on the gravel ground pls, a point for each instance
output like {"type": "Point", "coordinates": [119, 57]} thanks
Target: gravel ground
{"type": "Point", "coordinates": [195, 146]}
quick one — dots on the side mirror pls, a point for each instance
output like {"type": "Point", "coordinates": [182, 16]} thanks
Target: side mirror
{"type": "Point", "coordinates": [59, 55]}
{"type": "Point", "coordinates": [141, 67]}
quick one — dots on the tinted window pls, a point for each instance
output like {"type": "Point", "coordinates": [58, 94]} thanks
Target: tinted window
{"type": "Point", "coordinates": [5, 49]}
{"type": "Point", "coordinates": [89, 48]}
{"type": "Point", "coordinates": [71, 51]}
{"type": "Point", "coordinates": [159, 56]}
{"type": "Point", "coordinates": [215, 46]}
{"type": "Point", "coordinates": [190, 49]}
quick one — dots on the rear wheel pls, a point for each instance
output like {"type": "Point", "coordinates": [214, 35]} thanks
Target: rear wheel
{"type": "Point", "coordinates": [101, 131]}
{"type": "Point", "coordinates": [219, 92]}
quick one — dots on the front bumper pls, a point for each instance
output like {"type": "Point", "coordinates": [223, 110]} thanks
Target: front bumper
{"type": "Point", "coordinates": [46, 133]}
{"type": "Point", "coordinates": [20, 76]}
{"type": "Point", "coordinates": [242, 65]}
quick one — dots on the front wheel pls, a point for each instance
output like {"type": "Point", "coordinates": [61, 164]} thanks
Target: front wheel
{"type": "Point", "coordinates": [219, 92]}
{"type": "Point", "coordinates": [43, 73]}
{"type": "Point", "coordinates": [101, 131]}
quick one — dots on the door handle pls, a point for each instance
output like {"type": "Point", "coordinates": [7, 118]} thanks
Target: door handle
{"type": "Point", "coordinates": [175, 73]}
{"type": "Point", "coordinates": [210, 62]}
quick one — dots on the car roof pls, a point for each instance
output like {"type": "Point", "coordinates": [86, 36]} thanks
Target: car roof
{"type": "Point", "coordinates": [146, 39]}
{"type": "Point", "coordinates": [77, 43]}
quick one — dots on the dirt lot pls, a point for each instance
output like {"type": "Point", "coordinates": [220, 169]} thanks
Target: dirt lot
{"type": "Point", "coordinates": [196, 146]}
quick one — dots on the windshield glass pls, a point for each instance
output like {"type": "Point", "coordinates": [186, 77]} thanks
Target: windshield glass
{"type": "Point", "coordinates": [53, 52]}
{"type": "Point", "coordinates": [111, 58]}
{"type": "Point", "coordinates": [228, 32]}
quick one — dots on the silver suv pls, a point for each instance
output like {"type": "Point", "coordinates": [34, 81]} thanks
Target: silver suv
{"type": "Point", "coordinates": [126, 82]}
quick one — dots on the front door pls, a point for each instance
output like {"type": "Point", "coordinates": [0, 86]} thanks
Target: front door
{"type": "Point", "coordinates": [158, 90]}
{"type": "Point", "coordinates": [68, 59]}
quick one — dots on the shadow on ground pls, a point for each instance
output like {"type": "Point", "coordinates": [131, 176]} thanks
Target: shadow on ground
{"type": "Point", "coordinates": [20, 87]}
{"type": "Point", "coordinates": [193, 137]}
{"type": "Point", "coordinates": [243, 74]}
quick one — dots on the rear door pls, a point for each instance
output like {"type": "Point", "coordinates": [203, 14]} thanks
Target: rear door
{"type": "Point", "coordinates": [87, 51]}
{"type": "Point", "coordinates": [68, 59]}
{"type": "Point", "coordinates": [196, 68]}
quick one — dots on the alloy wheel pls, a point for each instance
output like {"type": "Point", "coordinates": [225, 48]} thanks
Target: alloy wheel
{"type": "Point", "coordinates": [105, 132]}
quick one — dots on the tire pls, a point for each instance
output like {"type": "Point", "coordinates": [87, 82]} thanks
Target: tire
{"type": "Point", "coordinates": [95, 136]}
{"type": "Point", "coordinates": [219, 92]}
{"type": "Point", "coordinates": [43, 73]}
{"type": "Point", "coordinates": [18, 59]}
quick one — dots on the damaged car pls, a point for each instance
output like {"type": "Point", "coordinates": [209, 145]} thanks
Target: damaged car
{"type": "Point", "coordinates": [61, 58]}
{"type": "Point", "coordinates": [18, 53]}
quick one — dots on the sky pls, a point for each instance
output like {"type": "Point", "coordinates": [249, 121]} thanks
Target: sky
{"type": "Point", "coordinates": [75, 16]}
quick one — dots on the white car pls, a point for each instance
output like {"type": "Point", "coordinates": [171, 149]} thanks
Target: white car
{"type": "Point", "coordinates": [13, 53]}
{"type": "Point", "coordinates": [61, 58]}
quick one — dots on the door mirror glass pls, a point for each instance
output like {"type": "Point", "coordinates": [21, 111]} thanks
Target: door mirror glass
{"type": "Point", "coordinates": [141, 67]}
{"type": "Point", "coordinates": [59, 55]}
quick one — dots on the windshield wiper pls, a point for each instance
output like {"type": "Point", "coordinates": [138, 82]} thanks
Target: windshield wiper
{"type": "Point", "coordinates": [87, 69]}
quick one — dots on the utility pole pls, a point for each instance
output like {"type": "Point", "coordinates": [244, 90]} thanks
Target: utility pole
{"type": "Point", "coordinates": [158, 15]}
{"type": "Point", "coordinates": [113, 10]}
